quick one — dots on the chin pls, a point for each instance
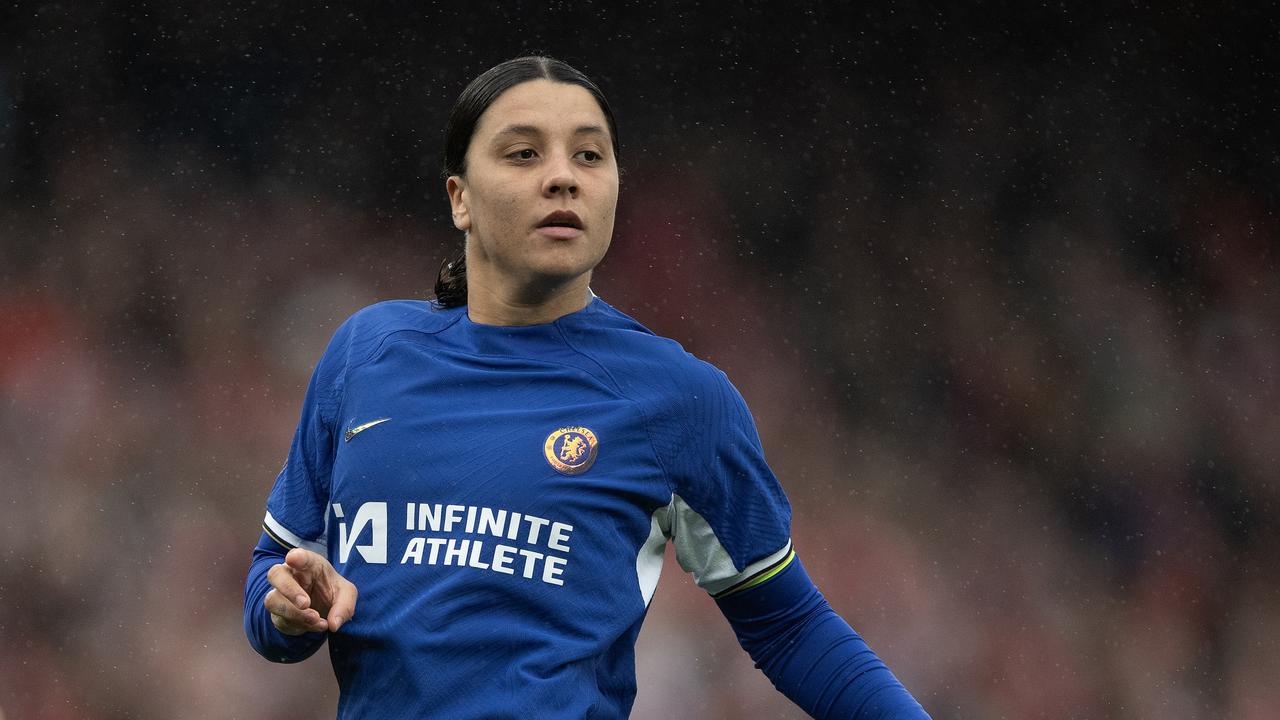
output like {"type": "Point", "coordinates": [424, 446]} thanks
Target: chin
{"type": "Point", "coordinates": [555, 277]}
{"type": "Point", "coordinates": [563, 267]}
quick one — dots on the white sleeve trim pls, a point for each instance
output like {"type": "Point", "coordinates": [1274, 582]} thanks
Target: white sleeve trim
{"type": "Point", "coordinates": [284, 533]}
{"type": "Point", "coordinates": [762, 565]}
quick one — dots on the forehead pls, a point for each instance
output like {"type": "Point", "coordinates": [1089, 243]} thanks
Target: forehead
{"type": "Point", "coordinates": [544, 104]}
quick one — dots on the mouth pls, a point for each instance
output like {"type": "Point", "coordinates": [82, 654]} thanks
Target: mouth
{"type": "Point", "coordinates": [561, 219]}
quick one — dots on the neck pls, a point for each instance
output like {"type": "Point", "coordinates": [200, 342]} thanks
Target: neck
{"type": "Point", "coordinates": [489, 305]}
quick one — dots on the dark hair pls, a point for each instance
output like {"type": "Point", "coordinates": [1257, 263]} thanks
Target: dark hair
{"type": "Point", "coordinates": [451, 282]}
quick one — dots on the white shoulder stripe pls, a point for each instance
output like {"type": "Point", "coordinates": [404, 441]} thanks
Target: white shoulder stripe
{"type": "Point", "coordinates": [288, 536]}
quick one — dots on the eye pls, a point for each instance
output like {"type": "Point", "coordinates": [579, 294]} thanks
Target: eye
{"type": "Point", "coordinates": [525, 154]}
{"type": "Point", "coordinates": [591, 156]}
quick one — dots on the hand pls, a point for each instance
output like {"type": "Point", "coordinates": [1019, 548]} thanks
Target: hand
{"type": "Point", "coordinates": [308, 594]}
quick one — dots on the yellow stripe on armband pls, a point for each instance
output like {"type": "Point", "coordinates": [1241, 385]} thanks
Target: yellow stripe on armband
{"type": "Point", "coordinates": [761, 577]}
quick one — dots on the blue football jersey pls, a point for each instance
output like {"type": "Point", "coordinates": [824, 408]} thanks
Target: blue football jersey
{"type": "Point", "coordinates": [502, 498]}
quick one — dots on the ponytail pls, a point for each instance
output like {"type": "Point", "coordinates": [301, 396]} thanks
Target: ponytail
{"type": "Point", "coordinates": [451, 282]}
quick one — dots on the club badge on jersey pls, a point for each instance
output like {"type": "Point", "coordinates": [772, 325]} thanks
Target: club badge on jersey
{"type": "Point", "coordinates": [571, 450]}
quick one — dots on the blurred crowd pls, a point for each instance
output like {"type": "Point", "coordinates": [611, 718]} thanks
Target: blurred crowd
{"type": "Point", "coordinates": [1007, 321]}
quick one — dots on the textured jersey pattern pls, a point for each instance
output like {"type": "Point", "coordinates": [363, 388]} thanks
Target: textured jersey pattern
{"type": "Point", "coordinates": [497, 495]}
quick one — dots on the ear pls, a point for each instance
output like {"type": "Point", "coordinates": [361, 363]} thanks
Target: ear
{"type": "Point", "coordinates": [456, 186]}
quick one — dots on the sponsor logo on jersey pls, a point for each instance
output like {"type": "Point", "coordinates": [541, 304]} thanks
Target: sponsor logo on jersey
{"type": "Point", "coordinates": [443, 535]}
{"type": "Point", "coordinates": [370, 514]}
{"type": "Point", "coordinates": [571, 450]}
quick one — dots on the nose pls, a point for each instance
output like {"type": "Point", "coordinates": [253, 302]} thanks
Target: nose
{"type": "Point", "coordinates": [560, 180]}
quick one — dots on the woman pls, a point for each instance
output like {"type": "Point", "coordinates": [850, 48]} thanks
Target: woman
{"type": "Point", "coordinates": [498, 472]}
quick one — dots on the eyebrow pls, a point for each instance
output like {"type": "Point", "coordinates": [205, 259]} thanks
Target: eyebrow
{"type": "Point", "coordinates": [537, 132]}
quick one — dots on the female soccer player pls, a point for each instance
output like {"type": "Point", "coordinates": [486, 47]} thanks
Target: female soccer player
{"type": "Point", "coordinates": [498, 471]}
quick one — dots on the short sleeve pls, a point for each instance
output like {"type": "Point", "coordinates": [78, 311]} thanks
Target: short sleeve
{"type": "Point", "coordinates": [297, 505]}
{"type": "Point", "coordinates": [728, 518]}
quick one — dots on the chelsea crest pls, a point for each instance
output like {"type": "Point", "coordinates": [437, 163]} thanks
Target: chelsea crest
{"type": "Point", "coordinates": [571, 450]}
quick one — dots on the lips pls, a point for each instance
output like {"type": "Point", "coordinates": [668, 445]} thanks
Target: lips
{"type": "Point", "coordinates": [562, 218]}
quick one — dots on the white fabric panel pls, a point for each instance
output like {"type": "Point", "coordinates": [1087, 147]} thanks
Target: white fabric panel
{"type": "Point", "coordinates": [287, 535]}
{"type": "Point", "coordinates": [649, 559]}
{"type": "Point", "coordinates": [700, 552]}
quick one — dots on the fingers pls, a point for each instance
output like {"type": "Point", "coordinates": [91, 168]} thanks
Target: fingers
{"type": "Point", "coordinates": [344, 601]}
{"type": "Point", "coordinates": [283, 579]}
{"type": "Point", "coordinates": [290, 619]}
{"type": "Point", "coordinates": [309, 594]}
{"type": "Point", "coordinates": [290, 603]}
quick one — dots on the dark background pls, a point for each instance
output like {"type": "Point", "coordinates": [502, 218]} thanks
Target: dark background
{"type": "Point", "coordinates": [999, 284]}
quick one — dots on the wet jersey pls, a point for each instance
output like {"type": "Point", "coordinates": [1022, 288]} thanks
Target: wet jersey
{"type": "Point", "coordinates": [502, 497]}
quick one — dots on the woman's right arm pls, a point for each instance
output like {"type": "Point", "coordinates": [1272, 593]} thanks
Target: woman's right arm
{"type": "Point", "coordinates": [263, 635]}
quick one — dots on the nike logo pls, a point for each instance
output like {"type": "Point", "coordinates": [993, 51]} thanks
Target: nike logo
{"type": "Point", "coordinates": [352, 432]}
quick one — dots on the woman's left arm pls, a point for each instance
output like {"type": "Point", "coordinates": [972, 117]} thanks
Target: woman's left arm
{"type": "Point", "coordinates": [811, 654]}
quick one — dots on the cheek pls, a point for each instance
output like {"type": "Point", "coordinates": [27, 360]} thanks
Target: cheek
{"type": "Point", "coordinates": [609, 208]}
{"type": "Point", "coordinates": [494, 212]}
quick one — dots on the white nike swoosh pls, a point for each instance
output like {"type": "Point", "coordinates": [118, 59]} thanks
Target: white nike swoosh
{"type": "Point", "coordinates": [352, 432]}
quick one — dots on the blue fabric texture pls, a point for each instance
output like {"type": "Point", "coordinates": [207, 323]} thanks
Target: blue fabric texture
{"type": "Point", "coordinates": [811, 654]}
{"type": "Point", "coordinates": [498, 495]}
